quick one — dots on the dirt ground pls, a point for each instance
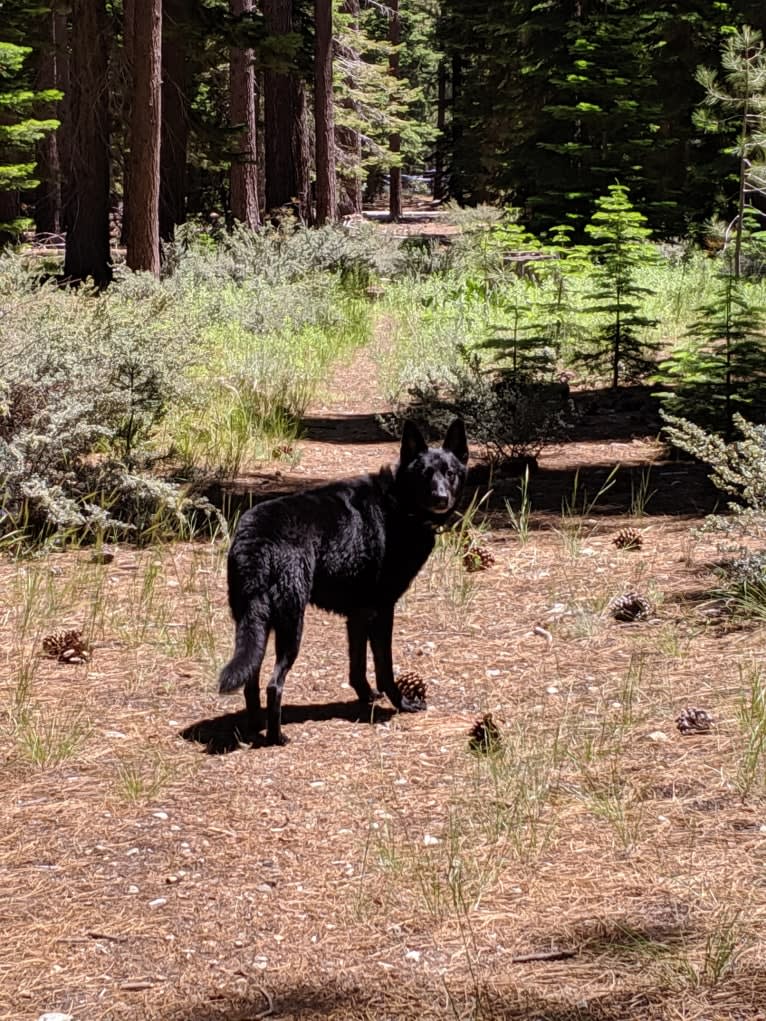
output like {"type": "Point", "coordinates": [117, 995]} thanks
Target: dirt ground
{"type": "Point", "coordinates": [599, 865]}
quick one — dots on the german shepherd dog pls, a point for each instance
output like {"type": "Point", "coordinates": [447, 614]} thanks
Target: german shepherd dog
{"type": "Point", "coordinates": [351, 547]}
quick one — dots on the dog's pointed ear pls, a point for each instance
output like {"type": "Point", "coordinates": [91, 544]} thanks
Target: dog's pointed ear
{"type": "Point", "coordinates": [412, 443]}
{"type": "Point", "coordinates": [456, 442]}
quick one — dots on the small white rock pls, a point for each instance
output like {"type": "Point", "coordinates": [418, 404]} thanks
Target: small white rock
{"type": "Point", "coordinates": [657, 735]}
{"type": "Point", "coordinates": [54, 1015]}
{"type": "Point", "coordinates": [552, 690]}
{"type": "Point", "coordinates": [430, 841]}
{"type": "Point", "coordinates": [132, 889]}
{"type": "Point", "coordinates": [413, 955]}
{"type": "Point", "coordinates": [158, 902]}
{"type": "Point", "coordinates": [160, 815]}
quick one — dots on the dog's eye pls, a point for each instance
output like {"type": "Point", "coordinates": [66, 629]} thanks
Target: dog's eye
{"type": "Point", "coordinates": [451, 474]}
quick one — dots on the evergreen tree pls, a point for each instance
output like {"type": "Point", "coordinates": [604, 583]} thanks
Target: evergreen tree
{"type": "Point", "coordinates": [719, 368]}
{"type": "Point", "coordinates": [377, 105]}
{"type": "Point", "coordinates": [741, 100]}
{"type": "Point", "coordinates": [19, 133]}
{"type": "Point", "coordinates": [324, 119]}
{"type": "Point", "coordinates": [243, 116]}
{"type": "Point", "coordinates": [143, 196]}
{"type": "Point", "coordinates": [622, 247]}
{"type": "Point", "coordinates": [176, 121]}
{"type": "Point", "coordinates": [87, 168]}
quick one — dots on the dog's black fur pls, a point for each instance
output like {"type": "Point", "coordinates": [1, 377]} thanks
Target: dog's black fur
{"type": "Point", "coordinates": [350, 547]}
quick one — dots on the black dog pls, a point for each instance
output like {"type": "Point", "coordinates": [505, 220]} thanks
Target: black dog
{"type": "Point", "coordinates": [350, 547]}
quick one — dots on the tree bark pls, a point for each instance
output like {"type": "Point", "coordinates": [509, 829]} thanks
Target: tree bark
{"type": "Point", "coordinates": [174, 141]}
{"type": "Point", "coordinates": [456, 179]}
{"type": "Point", "coordinates": [395, 141]}
{"type": "Point", "coordinates": [144, 195]}
{"type": "Point", "coordinates": [86, 213]}
{"type": "Point", "coordinates": [326, 188]}
{"type": "Point", "coordinates": [441, 123]}
{"type": "Point", "coordinates": [286, 148]}
{"type": "Point", "coordinates": [242, 114]}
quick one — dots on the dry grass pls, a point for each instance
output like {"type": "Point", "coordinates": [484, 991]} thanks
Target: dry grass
{"type": "Point", "coordinates": [385, 870]}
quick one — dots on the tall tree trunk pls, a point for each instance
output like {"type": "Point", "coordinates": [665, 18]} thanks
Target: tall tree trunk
{"type": "Point", "coordinates": [86, 213]}
{"type": "Point", "coordinates": [395, 141]}
{"type": "Point", "coordinates": [126, 108]}
{"type": "Point", "coordinates": [327, 189]}
{"type": "Point", "coordinates": [441, 123]}
{"type": "Point", "coordinates": [301, 152]}
{"type": "Point", "coordinates": [174, 142]}
{"type": "Point", "coordinates": [48, 193]}
{"type": "Point", "coordinates": [242, 114]}
{"type": "Point", "coordinates": [349, 140]}
{"type": "Point", "coordinates": [456, 179]}
{"type": "Point", "coordinates": [244, 169]}
{"type": "Point", "coordinates": [286, 147]}
{"type": "Point", "coordinates": [143, 198]}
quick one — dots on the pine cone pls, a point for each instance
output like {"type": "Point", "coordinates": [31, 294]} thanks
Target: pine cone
{"type": "Point", "coordinates": [628, 538]}
{"type": "Point", "coordinates": [484, 735]}
{"type": "Point", "coordinates": [694, 721]}
{"type": "Point", "coordinates": [411, 686]}
{"type": "Point", "coordinates": [67, 646]}
{"type": "Point", "coordinates": [632, 606]}
{"type": "Point", "coordinates": [477, 558]}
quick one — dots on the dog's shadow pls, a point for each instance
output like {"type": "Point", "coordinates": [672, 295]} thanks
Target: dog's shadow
{"type": "Point", "coordinates": [223, 734]}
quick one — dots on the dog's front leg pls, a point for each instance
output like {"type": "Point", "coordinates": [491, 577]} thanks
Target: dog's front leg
{"type": "Point", "coordinates": [381, 630]}
{"type": "Point", "coordinates": [356, 629]}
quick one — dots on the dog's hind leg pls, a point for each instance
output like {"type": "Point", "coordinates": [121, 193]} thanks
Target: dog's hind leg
{"type": "Point", "coordinates": [244, 667]}
{"type": "Point", "coordinates": [288, 628]}
{"type": "Point", "coordinates": [356, 629]}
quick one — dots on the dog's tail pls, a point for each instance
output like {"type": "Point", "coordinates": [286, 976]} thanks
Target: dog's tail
{"type": "Point", "coordinates": [234, 675]}
{"type": "Point", "coordinates": [249, 649]}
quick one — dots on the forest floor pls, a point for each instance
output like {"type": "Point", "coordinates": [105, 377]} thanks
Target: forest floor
{"type": "Point", "coordinates": [601, 866]}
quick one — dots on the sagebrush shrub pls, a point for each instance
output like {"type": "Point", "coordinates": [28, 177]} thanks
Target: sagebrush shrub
{"type": "Point", "coordinates": [84, 380]}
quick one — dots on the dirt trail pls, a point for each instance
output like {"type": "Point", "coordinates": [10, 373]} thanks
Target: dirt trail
{"type": "Point", "coordinates": [376, 868]}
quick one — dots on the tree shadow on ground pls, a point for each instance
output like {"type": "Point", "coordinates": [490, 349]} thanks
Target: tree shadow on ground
{"type": "Point", "coordinates": [677, 485]}
{"type": "Point", "coordinates": [674, 488]}
{"type": "Point", "coordinates": [604, 415]}
{"type": "Point", "coordinates": [399, 997]}
{"type": "Point", "coordinates": [344, 429]}
{"type": "Point", "coordinates": [231, 731]}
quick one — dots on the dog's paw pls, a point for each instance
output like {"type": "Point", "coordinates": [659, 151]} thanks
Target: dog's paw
{"type": "Point", "coordinates": [369, 697]}
{"type": "Point", "coordinates": [278, 740]}
{"type": "Point", "coordinates": [411, 705]}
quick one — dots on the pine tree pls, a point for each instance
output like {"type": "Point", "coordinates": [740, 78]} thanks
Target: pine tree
{"type": "Point", "coordinates": [174, 143]}
{"type": "Point", "coordinates": [326, 185]}
{"type": "Point", "coordinates": [19, 133]}
{"type": "Point", "coordinates": [87, 172]}
{"type": "Point", "coordinates": [243, 175]}
{"type": "Point", "coordinates": [381, 107]}
{"type": "Point", "coordinates": [286, 146]}
{"type": "Point", "coordinates": [622, 247]}
{"type": "Point", "coordinates": [143, 196]}
{"type": "Point", "coordinates": [741, 100]}
{"type": "Point", "coordinates": [719, 368]}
